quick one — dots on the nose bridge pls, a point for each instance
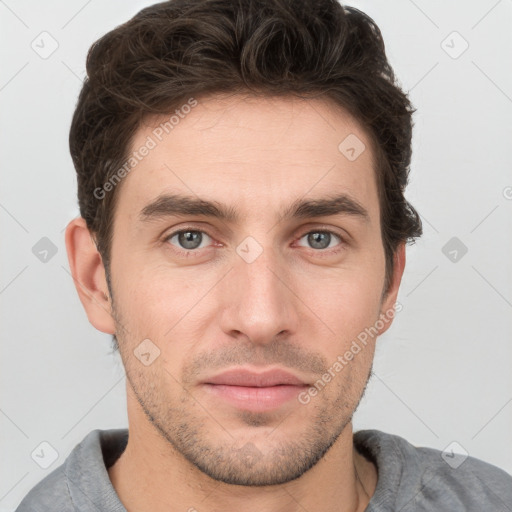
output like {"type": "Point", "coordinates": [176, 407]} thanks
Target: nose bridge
{"type": "Point", "coordinates": [260, 305]}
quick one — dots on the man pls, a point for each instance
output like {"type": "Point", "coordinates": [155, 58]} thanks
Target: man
{"type": "Point", "coordinates": [241, 173]}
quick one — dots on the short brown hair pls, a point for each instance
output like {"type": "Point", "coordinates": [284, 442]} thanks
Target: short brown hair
{"type": "Point", "coordinates": [175, 50]}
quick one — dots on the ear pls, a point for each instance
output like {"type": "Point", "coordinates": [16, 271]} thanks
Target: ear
{"type": "Point", "coordinates": [389, 299]}
{"type": "Point", "coordinates": [89, 275]}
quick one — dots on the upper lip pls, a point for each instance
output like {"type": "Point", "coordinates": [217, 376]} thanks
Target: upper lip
{"type": "Point", "coordinates": [241, 377]}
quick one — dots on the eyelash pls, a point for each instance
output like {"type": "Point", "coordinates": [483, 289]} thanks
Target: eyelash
{"type": "Point", "coordinates": [196, 252]}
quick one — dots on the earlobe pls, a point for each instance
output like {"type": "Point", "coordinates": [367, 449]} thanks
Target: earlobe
{"type": "Point", "coordinates": [388, 304]}
{"type": "Point", "coordinates": [88, 275]}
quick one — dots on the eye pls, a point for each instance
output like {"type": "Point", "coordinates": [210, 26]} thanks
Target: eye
{"type": "Point", "coordinates": [321, 240]}
{"type": "Point", "coordinates": [188, 239]}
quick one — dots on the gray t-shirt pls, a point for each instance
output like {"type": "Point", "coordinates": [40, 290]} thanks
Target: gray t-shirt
{"type": "Point", "coordinates": [409, 478]}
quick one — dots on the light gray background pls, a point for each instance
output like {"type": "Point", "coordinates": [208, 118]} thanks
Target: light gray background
{"type": "Point", "coordinates": [443, 370]}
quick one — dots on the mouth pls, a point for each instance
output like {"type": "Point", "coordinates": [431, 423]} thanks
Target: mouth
{"type": "Point", "coordinates": [257, 392]}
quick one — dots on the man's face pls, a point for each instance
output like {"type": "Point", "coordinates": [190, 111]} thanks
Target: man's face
{"type": "Point", "coordinates": [261, 291]}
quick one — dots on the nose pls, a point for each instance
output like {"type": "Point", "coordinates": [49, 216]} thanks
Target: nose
{"type": "Point", "coordinates": [258, 300]}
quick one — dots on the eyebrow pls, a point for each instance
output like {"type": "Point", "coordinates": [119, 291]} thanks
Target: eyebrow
{"type": "Point", "coordinates": [169, 205]}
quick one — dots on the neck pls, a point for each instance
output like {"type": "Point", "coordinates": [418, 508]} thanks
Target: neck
{"type": "Point", "coordinates": [151, 476]}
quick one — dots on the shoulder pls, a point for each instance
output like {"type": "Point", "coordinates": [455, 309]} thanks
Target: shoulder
{"type": "Point", "coordinates": [421, 478]}
{"type": "Point", "coordinates": [51, 493]}
{"type": "Point", "coordinates": [82, 481]}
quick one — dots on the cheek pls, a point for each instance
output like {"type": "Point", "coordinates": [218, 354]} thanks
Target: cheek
{"type": "Point", "coordinates": [153, 303]}
{"type": "Point", "coordinates": [165, 306]}
{"type": "Point", "coordinates": [350, 315]}
{"type": "Point", "coordinates": [157, 301]}
{"type": "Point", "coordinates": [349, 304]}
{"type": "Point", "coordinates": [347, 300]}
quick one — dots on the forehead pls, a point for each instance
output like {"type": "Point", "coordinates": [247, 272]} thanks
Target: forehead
{"type": "Point", "coordinates": [258, 153]}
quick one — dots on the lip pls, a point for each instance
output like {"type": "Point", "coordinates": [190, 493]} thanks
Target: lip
{"type": "Point", "coordinates": [244, 377]}
{"type": "Point", "coordinates": [253, 391]}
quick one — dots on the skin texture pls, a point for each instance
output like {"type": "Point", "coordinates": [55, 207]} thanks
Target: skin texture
{"type": "Point", "coordinates": [296, 307]}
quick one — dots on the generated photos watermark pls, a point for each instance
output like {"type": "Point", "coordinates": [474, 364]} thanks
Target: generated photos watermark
{"type": "Point", "coordinates": [356, 347]}
{"type": "Point", "coordinates": [150, 143]}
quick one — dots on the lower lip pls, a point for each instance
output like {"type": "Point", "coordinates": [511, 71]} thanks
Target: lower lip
{"type": "Point", "coordinates": [254, 398]}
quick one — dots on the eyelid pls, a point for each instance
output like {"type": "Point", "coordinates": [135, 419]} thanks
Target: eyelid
{"type": "Point", "coordinates": [326, 229]}
{"type": "Point", "coordinates": [328, 252]}
{"type": "Point", "coordinates": [172, 234]}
